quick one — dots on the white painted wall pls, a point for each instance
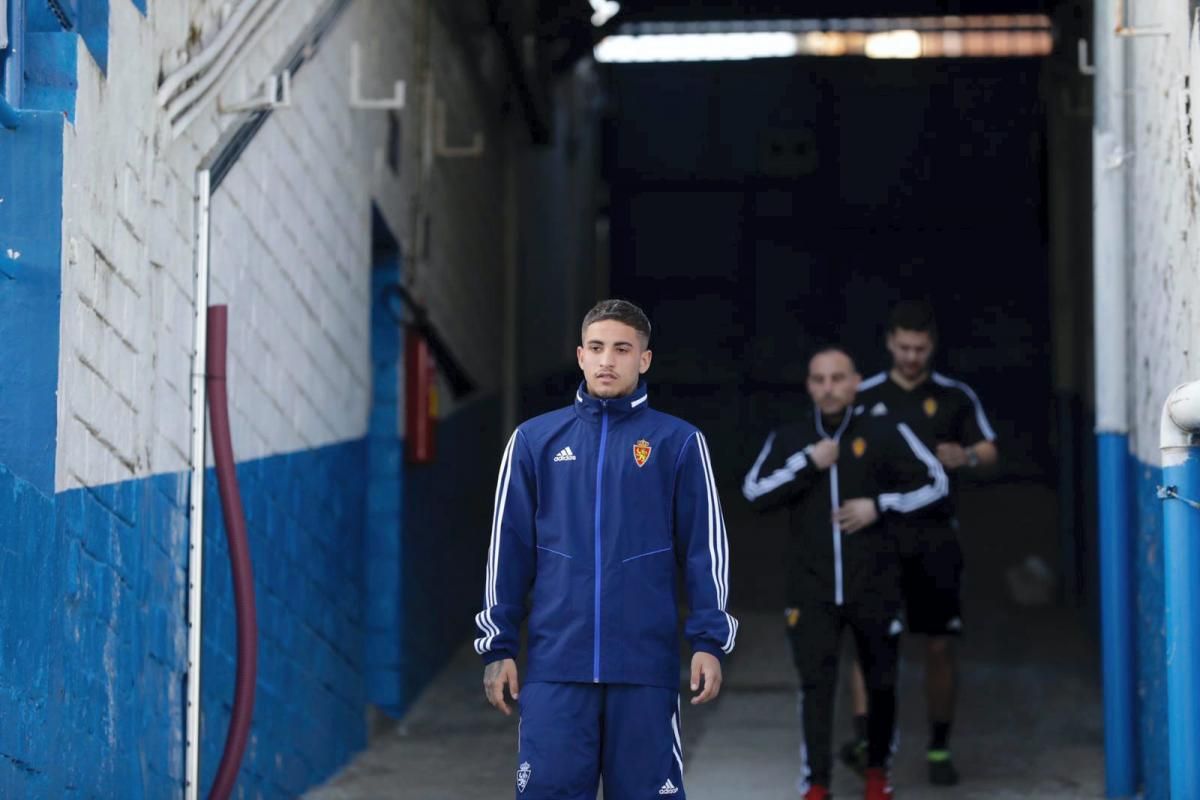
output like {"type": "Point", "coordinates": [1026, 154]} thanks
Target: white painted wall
{"type": "Point", "coordinates": [291, 228]}
{"type": "Point", "coordinates": [1165, 179]}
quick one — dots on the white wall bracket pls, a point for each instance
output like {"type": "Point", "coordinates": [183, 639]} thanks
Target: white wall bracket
{"type": "Point", "coordinates": [444, 150]}
{"type": "Point", "coordinates": [395, 102]}
{"type": "Point", "coordinates": [276, 92]}
{"type": "Point", "coordinates": [1086, 67]}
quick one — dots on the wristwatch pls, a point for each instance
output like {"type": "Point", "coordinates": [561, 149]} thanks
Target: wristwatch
{"type": "Point", "coordinates": [972, 457]}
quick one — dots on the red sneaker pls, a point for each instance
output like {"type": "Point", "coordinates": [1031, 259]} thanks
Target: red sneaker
{"type": "Point", "coordinates": [877, 787]}
{"type": "Point", "coordinates": [817, 792]}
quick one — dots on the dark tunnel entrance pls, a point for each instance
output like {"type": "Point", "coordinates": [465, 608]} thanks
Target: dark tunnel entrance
{"type": "Point", "coordinates": [761, 208]}
{"type": "Point", "coordinates": [758, 209]}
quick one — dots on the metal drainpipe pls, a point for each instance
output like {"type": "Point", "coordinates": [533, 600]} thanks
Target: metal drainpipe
{"type": "Point", "coordinates": [11, 98]}
{"type": "Point", "coordinates": [9, 117]}
{"type": "Point", "coordinates": [196, 506]}
{"type": "Point", "coordinates": [1112, 427]}
{"type": "Point", "coordinates": [1180, 441]}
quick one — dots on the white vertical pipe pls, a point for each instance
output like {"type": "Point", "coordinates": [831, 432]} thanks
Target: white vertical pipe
{"type": "Point", "coordinates": [196, 505]}
{"type": "Point", "coordinates": [1109, 228]}
{"type": "Point", "coordinates": [1110, 247]}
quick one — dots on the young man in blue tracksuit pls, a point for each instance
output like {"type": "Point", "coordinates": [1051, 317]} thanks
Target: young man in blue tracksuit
{"type": "Point", "coordinates": [597, 505]}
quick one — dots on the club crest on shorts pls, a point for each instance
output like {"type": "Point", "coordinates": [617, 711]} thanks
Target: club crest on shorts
{"type": "Point", "coordinates": [641, 452]}
{"type": "Point", "coordinates": [523, 774]}
{"type": "Point", "coordinates": [929, 406]}
{"type": "Point", "coordinates": [858, 447]}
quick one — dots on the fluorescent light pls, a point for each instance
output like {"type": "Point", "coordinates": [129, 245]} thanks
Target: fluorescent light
{"type": "Point", "coordinates": [893, 44]}
{"type": "Point", "coordinates": [979, 36]}
{"type": "Point", "coordinates": [696, 47]}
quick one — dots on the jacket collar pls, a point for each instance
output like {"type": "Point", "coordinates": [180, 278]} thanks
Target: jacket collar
{"type": "Point", "coordinates": [591, 408]}
{"type": "Point", "coordinates": [841, 428]}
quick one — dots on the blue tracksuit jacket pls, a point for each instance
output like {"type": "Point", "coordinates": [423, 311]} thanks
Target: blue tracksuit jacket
{"type": "Point", "coordinates": [596, 505]}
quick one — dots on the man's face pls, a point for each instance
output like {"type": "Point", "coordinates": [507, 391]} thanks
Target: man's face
{"type": "Point", "coordinates": [612, 359]}
{"type": "Point", "coordinates": [832, 382]}
{"type": "Point", "coordinates": [911, 351]}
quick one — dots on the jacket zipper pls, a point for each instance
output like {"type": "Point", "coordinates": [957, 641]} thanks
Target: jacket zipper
{"type": "Point", "coordinates": [838, 594]}
{"type": "Point", "coordinates": [599, 490]}
{"type": "Point", "coordinates": [837, 538]}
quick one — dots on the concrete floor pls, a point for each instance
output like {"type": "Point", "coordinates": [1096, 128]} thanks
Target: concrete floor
{"type": "Point", "coordinates": [1029, 726]}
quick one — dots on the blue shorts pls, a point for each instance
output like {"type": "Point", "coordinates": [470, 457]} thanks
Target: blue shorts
{"type": "Point", "coordinates": [572, 734]}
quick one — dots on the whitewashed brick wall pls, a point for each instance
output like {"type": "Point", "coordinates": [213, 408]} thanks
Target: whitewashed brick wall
{"type": "Point", "coordinates": [291, 237]}
{"type": "Point", "coordinates": [1166, 235]}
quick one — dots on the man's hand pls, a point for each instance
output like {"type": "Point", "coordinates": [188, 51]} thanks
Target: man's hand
{"type": "Point", "coordinates": [952, 455]}
{"type": "Point", "coordinates": [706, 666]}
{"type": "Point", "coordinates": [856, 514]}
{"type": "Point", "coordinates": [824, 453]}
{"type": "Point", "coordinates": [496, 676]}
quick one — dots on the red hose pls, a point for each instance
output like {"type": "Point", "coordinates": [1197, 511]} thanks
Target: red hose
{"type": "Point", "coordinates": [239, 557]}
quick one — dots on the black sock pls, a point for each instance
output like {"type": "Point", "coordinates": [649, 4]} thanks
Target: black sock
{"type": "Point", "coordinates": [939, 738]}
{"type": "Point", "coordinates": [882, 726]}
{"type": "Point", "coordinates": [860, 727]}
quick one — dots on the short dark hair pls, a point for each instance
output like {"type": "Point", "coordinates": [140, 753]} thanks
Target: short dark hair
{"type": "Point", "coordinates": [913, 315]}
{"type": "Point", "coordinates": [831, 347]}
{"type": "Point", "coordinates": [622, 311]}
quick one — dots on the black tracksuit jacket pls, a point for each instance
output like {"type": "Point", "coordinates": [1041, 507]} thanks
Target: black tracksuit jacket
{"type": "Point", "coordinates": [879, 459]}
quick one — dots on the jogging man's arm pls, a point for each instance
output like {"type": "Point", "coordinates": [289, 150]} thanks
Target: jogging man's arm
{"type": "Point", "coordinates": [510, 570]}
{"type": "Point", "coordinates": [976, 445]}
{"type": "Point", "coordinates": [917, 478]}
{"type": "Point", "coordinates": [782, 470]}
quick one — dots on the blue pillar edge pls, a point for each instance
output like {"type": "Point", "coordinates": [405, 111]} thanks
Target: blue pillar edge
{"type": "Point", "coordinates": [1181, 557]}
{"type": "Point", "coordinates": [31, 164]}
{"type": "Point", "coordinates": [383, 544]}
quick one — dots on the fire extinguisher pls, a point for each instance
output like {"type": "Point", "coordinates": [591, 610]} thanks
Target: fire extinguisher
{"type": "Point", "coordinates": [420, 397]}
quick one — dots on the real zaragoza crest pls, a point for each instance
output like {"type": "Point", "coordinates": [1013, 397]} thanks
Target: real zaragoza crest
{"type": "Point", "coordinates": [858, 447]}
{"type": "Point", "coordinates": [930, 406]}
{"type": "Point", "coordinates": [641, 452]}
{"type": "Point", "coordinates": [523, 773]}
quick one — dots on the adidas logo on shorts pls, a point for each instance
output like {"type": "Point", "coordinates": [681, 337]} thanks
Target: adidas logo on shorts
{"type": "Point", "coordinates": [669, 788]}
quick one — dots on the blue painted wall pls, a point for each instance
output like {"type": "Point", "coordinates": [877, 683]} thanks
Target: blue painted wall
{"type": "Point", "coordinates": [305, 513]}
{"type": "Point", "coordinates": [96, 676]}
{"type": "Point", "coordinates": [386, 469]}
{"type": "Point", "coordinates": [87, 18]}
{"type": "Point", "coordinates": [31, 162]}
{"type": "Point", "coordinates": [92, 648]}
{"type": "Point", "coordinates": [447, 514]}
{"type": "Point", "coordinates": [1150, 625]}
{"type": "Point", "coordinates": [93, 581]}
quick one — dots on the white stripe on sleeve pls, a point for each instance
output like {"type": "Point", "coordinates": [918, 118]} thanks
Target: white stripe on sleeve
{"type": "Point", "coordinates": [484, 619]}
{"type": "Point", "coordinates": [872, 382]}
{"type": "Point", "coordinates": [718, 543]}
{"type": "Point", "coordinates": [937, 488]}
{"type": "Point", "coordinates": [980, 418]}
{"type": "Point", "coordinates": [754, 487]}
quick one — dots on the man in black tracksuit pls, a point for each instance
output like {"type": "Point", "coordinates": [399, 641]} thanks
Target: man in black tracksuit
{"type": "Point", "coordinates": [947, 416]}
{"type": "Point", "coordinates": [842, 472]}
